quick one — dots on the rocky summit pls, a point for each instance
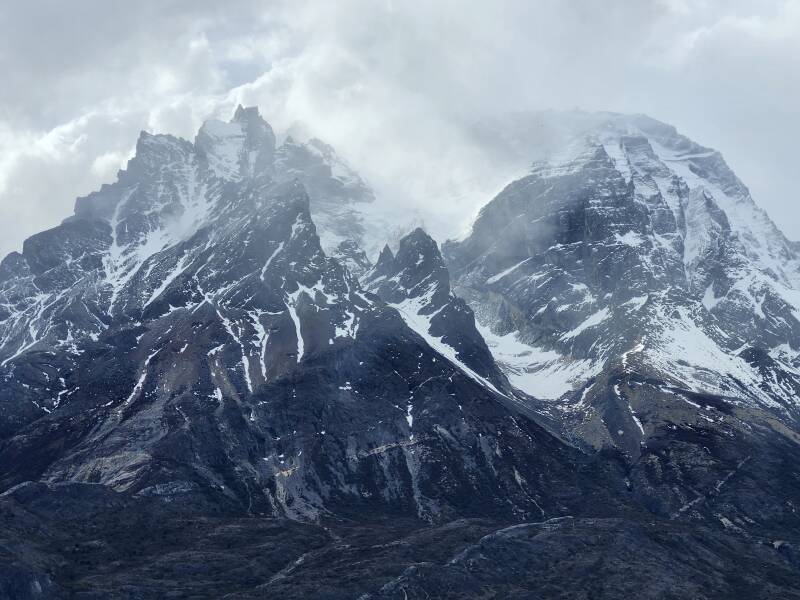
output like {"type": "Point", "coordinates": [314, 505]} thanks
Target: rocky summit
{"type": "Point", "coordinates": [213, 383]}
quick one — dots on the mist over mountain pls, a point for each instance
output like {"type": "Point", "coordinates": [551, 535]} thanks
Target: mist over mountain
{"type": "Point", "coordinates": [235, 371]}
{"type": "Point", "coordinates": [396, 87]}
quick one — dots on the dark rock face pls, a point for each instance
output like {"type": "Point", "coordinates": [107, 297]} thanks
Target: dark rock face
{"type": "Point", "coordinates": [208, 390]}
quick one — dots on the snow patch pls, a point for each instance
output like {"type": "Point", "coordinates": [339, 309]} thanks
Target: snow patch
{"type": "Point", "coordinates": [544, 374]}
{"type": "Point", "coordinates": [499, 276]}
{"type": "Point", "coordinates": [592, 321]}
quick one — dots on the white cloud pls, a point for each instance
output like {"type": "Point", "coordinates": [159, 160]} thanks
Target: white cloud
{"type": "Point", "coordinates": [390, 84]}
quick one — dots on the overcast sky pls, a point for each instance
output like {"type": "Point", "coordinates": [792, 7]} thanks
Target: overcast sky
{"type": "Point", "coordinates": [388, 83]}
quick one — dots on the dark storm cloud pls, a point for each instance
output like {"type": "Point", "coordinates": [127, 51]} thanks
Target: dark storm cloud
{"type": "Point", "coordinates": [390, 84]}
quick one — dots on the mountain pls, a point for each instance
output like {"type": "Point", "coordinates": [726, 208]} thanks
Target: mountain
{"type": "Point", "coordinates": [634, 251]}
{"type": "Point", "coordinates": [210, 390]}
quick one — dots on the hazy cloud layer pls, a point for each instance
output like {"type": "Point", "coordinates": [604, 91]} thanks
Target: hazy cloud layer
{"type": "Point", "coordinates": [392, 85]}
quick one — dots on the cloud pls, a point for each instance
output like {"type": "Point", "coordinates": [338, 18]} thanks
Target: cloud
{"type": "Point", "coordinates": [395, 86]}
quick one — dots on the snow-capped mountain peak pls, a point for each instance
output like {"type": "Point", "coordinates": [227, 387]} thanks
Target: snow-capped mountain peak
{"type": "Point", "coordinates": [632, 241]}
